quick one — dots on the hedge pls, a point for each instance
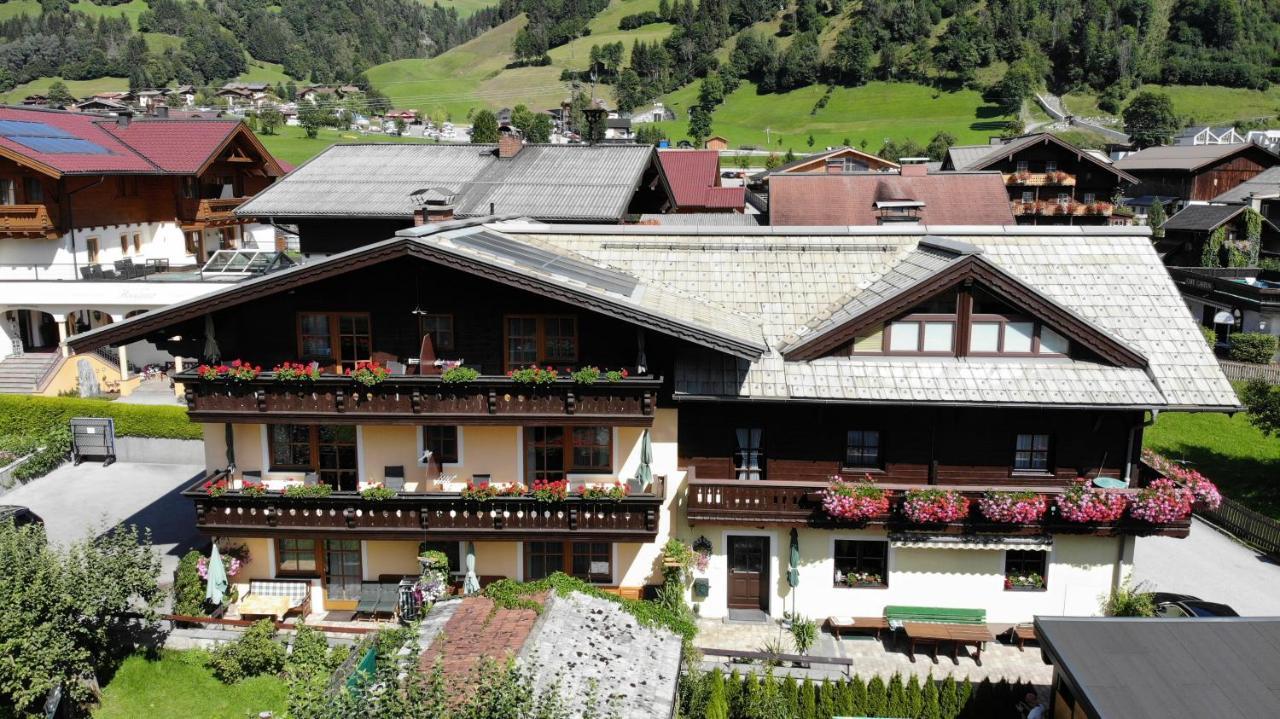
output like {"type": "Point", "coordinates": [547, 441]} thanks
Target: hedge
{"type": "Point", "coordinates": [22, 415]}
{"type": "Point", "coordinates": [1253, 347]}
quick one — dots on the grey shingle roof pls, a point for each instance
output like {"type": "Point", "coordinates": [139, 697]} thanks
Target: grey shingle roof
{"type": "Point", "coordinates": [1179, 157]}
{"type": "Point", "coordinates": [979, 157]}
{"type": "Point", "coordinates": [549, 182]}
{"type": "Point", "coordinates": [1202, 217]}
{"type": "Point", "coordinates": [964, 157]}
{"type": "Point", "coordinates": [1109, 277]}
{"type": "Point", "coordinates": [1264, 184]}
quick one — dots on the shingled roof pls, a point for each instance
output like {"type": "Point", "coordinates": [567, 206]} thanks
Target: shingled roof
{"type": "Point", "coordinates": [947, 198]}
{"type": "Point", "coordinates": [1186, 158]}
{"type": "Point", "coordinates": [548, 182]}
{"type": "Point", "coordinates": [981, 157]}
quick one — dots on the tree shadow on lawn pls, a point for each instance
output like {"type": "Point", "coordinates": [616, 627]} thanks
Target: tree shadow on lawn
{"type": "Point", "coordinates": [1254, 482]}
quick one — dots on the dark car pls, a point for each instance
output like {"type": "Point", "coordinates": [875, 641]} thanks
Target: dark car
{"type": "Point", "coordinates": [1169, 604]}
{"type": "Point", "coordinates": [18, 515]}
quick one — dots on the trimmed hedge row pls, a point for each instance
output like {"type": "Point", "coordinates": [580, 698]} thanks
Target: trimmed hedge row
{"type": "Point", "coordinates": [21, 415]}
{"type": "Point", "coordinates": [1253, 347]}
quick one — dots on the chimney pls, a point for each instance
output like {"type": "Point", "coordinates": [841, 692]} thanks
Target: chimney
{"type": "Point", "coordinates": [431, 205]}
{"type": "Point", "coordinates": [162, 111]}
{"type": "Point", "coordinates": [509, 143]}
{"type": "Point", "coordinates": [123, 117]}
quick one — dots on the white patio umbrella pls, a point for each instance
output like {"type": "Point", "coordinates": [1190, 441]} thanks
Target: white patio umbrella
{"type": "Point", "coordinates": [216, 577]}
{"type": "Point", "coordinates": [471, 584]}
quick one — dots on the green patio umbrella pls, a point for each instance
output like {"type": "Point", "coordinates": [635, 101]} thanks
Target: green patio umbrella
{"type": "Point", "coordinates": [216, 576]}
{"type": "Point", "coordinates": [644, 473]}
{"type": "Point", "coordinates": [793, 572]}
{"type": "Point", "coordinates": [471, 584]}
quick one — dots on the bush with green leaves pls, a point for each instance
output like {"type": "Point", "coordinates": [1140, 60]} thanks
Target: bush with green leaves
{"type": "Point", "coordinates": [1129, 600]}
{"type": "Point", "coordinates": [804, 632]}
{"type": "Point", "coordinates": [256, 652]}
{"type": "Point", "coordinates": [1252, 347]}
{"type": "Point", "coordinates": [188, 587]}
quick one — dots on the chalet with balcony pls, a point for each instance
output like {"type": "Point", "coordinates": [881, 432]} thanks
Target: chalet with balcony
{"type": "Point", "coordinates": [1049, 181]}
{"type": "Point", "coordinates": [1196, 172]}
{"type": "Point", "coordinates": [705, 388]}
{"type": "Point", "coordinates": [87, 201]}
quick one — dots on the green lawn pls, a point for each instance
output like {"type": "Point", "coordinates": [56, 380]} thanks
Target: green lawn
{"type": "Point", "coordinates": [262, 71]}
{"type": "Point", "coordinates": [130, 9]}
{"type": "Point", "coordinates": [78, 88]}
{"type": "Point", "coordinates": [1243, 462]}
{"type": "Point", "coordinates": [292, 144]}
{"type": "Point", "coordinates": [14, 8]}
{"type": "Point", "coordinates": [178, 685]}
{"type": "Point", "coordinates": [1203, 104]}
{"type": "Point", "coordinates": [465, 8]}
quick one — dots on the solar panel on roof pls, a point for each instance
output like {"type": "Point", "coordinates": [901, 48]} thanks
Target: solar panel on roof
{"type": "Point", "coordinates": [540, 259]}
{"type": "Point", "coordinates": [30, 129]}
{"type": "Point", "coordinates": [48, 139]}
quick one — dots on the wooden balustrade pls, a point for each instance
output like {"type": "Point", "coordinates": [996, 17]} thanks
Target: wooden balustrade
{"type": "Point", "coordinates": [411, 399]}
{"type": "Point", "coordinates": [211, 211]}
{"type": "Point", "coordinates": [27, 221]}
{"type": "Point", "coordinates": [427, 516]}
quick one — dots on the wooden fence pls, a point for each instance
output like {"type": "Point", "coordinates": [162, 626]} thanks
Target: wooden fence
{"type": "Point", "coordinates": [1244, 371]}
{"type": "Point", "coordinates": [1252, 528]}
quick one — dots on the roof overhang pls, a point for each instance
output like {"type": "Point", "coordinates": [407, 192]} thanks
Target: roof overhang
{"type": "Point", "coordinates": [1049, 138]}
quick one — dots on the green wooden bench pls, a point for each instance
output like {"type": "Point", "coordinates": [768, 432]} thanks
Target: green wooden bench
{"type": "Point", "coordinates": [896, 615]}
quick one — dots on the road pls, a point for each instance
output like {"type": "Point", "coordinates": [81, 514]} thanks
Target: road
{"type": "Point", "coordinates": [1213, 566]}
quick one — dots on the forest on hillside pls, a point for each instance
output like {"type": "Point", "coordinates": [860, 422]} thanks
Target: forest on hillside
{"type": "Point", "coordinates": [314, 40]}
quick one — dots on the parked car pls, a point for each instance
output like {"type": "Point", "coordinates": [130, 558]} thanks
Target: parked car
{"type": "Point", "coordinates": [1169, 604]}
{"type": "Point", "coordinates": [18, 515]}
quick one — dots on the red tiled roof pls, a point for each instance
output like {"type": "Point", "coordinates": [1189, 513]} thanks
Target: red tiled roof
{"type": "Point", "coordinates": [950, 198]}
{"type": "Point", "coordinates": [694, 177]}
{"type": "Point", "coordinates": [148, 146]}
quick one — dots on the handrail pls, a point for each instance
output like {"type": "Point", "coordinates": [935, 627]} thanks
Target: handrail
{"type": "Point", "coordinates": [487, 380]}
{"type": "Point", "coordinates": [818, 486]}
{"type": "Point", "coordinates": [196, 491]}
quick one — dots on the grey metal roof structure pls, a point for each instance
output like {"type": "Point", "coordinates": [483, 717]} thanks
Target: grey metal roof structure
{"type": "Point", "coordinates": [1202, 217]}
{"type": "Point", "coordinates": [1181, 157]}
{"type": "Point", "coordinates": [1263, 184]}
{"type": "Point", "coordinates": [964, 157]}
{"type": "Point", "coordinates": [579, 183]}
{"type": "Point", "coordinates": [1201, 668]}
{"type": "Point", "coordinates": [784, 278]}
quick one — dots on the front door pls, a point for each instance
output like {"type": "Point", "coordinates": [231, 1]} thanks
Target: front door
{"type": "Point", "coordinates": [748, 573]}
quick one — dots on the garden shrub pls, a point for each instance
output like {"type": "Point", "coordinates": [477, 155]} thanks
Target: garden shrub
{"type": "Point", "coordinates": [256, 652]}
{"type": "Point", "coordinates": [188, 588]}
{"type": "Point", "coordinates": [1252, 347]}
{"type": "Point", "coordinates": [309, 654]}
{"type": "Point", "coordinates": [1210, 335]}
{"type": "Point", "coordinates": [23, 415]}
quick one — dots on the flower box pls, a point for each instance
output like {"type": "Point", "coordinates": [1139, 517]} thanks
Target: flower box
{"type": "Point", "coordinates": [854, 502]}
{"type": "Point", "coordinates": [935, 506]}
{"type": "Point", "coordinates": [1013, 507]}
{"type": "Point", "coordinates": [1162, 502]}
{"type": "Point", "coordinates": [1083, 504]}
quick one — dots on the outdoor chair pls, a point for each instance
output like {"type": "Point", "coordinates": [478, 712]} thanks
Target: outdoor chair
{"type": "Point", "coordinates": [86, 273]}
{"type": "Point", "coordinates": [298, 592]}
{"type": "Point", "coordinates": [370, 593]}
{"type": "Point", "coordinates": [393, 477]}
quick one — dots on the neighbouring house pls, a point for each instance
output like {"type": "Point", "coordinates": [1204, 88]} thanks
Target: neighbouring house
{"type": "Point", "coordinates": [911, 195]}
{"type": "Point", "coordinates": [758, 363]}
{"type": "Point", "coordinates": [1269, 139]}
{"type": "Point", "coordinates": [1186, 233]}
{"type": "Point", "coordinates": [835, 161]}
{"type": "Point", "coordinates": [102, 105]}
{"type": "Point", "coordinates": [693, 177]}
{"type": "Point", "coordinates": [1189, 668]}
{"type": "Point", "coordinates": [317, 93]}
{"type": "Point", "coordinates": [1202, 135]}
{"type": "Point", "coordinates": [35, 100]}
{"type": "Point", "coordinates": [351, 195]}
{"type": "Point", "coordinates": [717, 143]}
{"type": "Point", "coordinates": [1262, 193]}
{"type": "Point", "coordinates": [409, 116]}
{"type": "Point", "coordinates": [1195, 172]}
{"type": "Point", "coordinates": [1049, 181]}
{"type": "Point", "coordinates": [618, 128]}
{"type": "Point", "coordinates": [187, 94]}
{"type": "Point", "coordinates": [657, 112]}
{"type": "Point", "coordinates": [1231, 299]}
{"type": "Point", "coordinates": [95, 209]}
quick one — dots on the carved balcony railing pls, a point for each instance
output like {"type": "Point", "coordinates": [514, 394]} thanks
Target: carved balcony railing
{"type": "Point", "coordinates": [410, 399]}
{"type": "Point", "coordinates": [212, 212]}
{"type": "Point", "coordinates": [786, 503]}
{"type": "Point", "coordinates": [28, 221]}
{"type": "Point", "coordinates": [427, 516]}
{"type": "Point", "coordinates": [1040, 179]}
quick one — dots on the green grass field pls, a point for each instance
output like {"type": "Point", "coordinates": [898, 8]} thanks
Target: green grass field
{"type": "Point", "coordinates": [78, 88]}
{"type": "Point", "coordinates": [178, 685]}
{"type": "Point", "coordinates": [131, 9]}
{"type": "Point", "coordinates": [1201, 103]}
{"type": "Point", "coordinates": [1228, 450]}
{"type": "Point", "coordinates": [261, 71]}
{"type": "Point", "coordinates": [465, 8]}
{"type": "Point", "coordinates": [292, 145]}
{"type": "Point", "coordinates": [14, 8]}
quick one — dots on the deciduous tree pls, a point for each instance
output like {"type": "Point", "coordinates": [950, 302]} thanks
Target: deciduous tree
{"type": "Point", "coordinates": [1149, 119]}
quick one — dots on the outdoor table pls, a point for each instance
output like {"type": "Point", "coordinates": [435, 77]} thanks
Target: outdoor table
{"type": "Point", "coordinates": [931, 634]}
{"type": "Point", "coordinates": [264, 606]}
{"type": "Point", "coordinates": [1022, 634]}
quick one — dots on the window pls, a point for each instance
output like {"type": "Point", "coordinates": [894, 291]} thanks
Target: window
{"type": "Point", "coordinates": [861, 563]}
{"type": "Point", "coordinates": [862, 448]}
{"type": "Point", "coordinates": [343, 569]}
{"type": "Point", "coordinates": [337, 339]}
{"type": "Point", "coordinates": [539, 339]}
{"type": "Point", "coordinates": [452, 550]}
{"type": "Point", "coordinates": [1028, 196]}
{"type": "Point", "coordinates": [33, 190]}
{"type": "Point", "coordinates": [192, 242]}
{"type": "Point", "coordinates": [998, 328]}
{"type": "Point", "coordinates": [1050, 165]}
{"type": "Point", "coordinates": [588, 561]}
{"type": "Point", "coordinates": [1031, 453]}
{"type": "Point", "coordinates": [552, 452]}
{"type": "Point", "coordinates": [137, 242]}
{"type": "Point", "coordinates": [1064, 198]}
{"type": "Point", "coordinates": [748, 458]}
{"type": "Point", "coordinates": [329, 450]}
{"type": "Point", "coordinates": [91, 248]}
{"type": "Point", "coordinates": [190, 188]}
{"type": "Point", "coordinates": [296, 556]}
{"type": "Point", "coordinates": [8, 193]}
{"type": "Point", "coordinates": [290, 446]}
{"type": "Point", "coordinates": [442, 442]}
{"type": "Point", "coordinates": [124, 244]}
{"type": "Point", "coordinates": [440, 327]}
{"type": "Point", "coordinates": [1025, 571]}
{"type": "Point", "coordinates": [1089, 198]}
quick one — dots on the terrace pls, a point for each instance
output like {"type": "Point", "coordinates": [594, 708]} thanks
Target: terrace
{"type": "Point", "coordinates": [416, 513]}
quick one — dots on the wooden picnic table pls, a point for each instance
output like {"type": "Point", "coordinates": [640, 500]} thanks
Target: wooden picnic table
{"type": "Point", "coordinates": [263, 606]}
{"type": "Point", "coordinates": [931, 634]}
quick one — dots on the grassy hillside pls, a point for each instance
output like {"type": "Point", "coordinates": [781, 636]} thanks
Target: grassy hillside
{"type": "Point", "coordinates": [78, 88]}
{"type": "Point", "coordinates": [293, 146]}
{"type": "Point", "coordinates": [465, 8]}
{"type": "Point", "coordinates": [1202, 103]}
{"type": "Point", "coordinates": [131, 9]}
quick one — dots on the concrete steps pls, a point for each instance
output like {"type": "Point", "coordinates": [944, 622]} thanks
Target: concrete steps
{"type": "Point", "coordinates": [20, 375]}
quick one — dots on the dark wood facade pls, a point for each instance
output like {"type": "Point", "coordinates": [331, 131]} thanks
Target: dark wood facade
{"type": "Point", "coordinates": [1207, 182]}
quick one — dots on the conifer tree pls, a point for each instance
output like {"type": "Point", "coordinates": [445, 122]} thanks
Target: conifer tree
{"type": "Point", "coordinates": [791, 695]}
{"type": "Point", "coordinates": [932, 708]}
{"type": "Point", "coordinates": [808, 701]}
{"type": "Point", "coordinates": [876, 697]}
{"type": "Point", "coordinates": [897, 704]}
{"type": "Point", "coordinates": [857, 697]}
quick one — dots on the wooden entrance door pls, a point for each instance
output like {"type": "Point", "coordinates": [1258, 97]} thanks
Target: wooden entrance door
{"type": "Point", "coordinates": [748, 572]}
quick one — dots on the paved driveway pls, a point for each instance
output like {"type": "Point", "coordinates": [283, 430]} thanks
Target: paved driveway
{"type": "Point", "coordinates": [75, 500]}
{"type": "Point", "coordinates": [1211, 565]}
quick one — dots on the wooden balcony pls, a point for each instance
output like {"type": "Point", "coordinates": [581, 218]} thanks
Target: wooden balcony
{"type": "Point", "coordinates": [1040, 179]}
{"type": "Point", "coordinates": [799, 504]}
{"type": "Point", "coordinates": [211, 212]}
{"type": "Point", "coordinates": [427, 516]}
{"type": "Point", "coordinates": [28, 221]}
{"type": "Point", "coordinates": [412, 399]}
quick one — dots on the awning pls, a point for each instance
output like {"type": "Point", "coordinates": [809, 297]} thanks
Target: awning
{"type": "Point", "coordinates": [987, 542]}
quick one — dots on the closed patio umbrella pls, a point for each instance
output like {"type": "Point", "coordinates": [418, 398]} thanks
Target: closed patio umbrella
{"type": "Point", "coordinates": [216, 577]}
{"type": "Point", "coordinates": [211, 351]}
{"type": "Point", "coordinates": [471, 584]}
{"type": "Point", "coordinates": [793, 568]}
{"type": "Point", "coordinates": [644, 473]}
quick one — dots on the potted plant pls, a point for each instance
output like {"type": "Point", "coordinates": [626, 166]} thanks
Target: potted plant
{"type": "Point", "coordinates": [369, 374]}
{"type": "Point", "coordinates": [253, 489]}
{"type": "Point", "coordinates": [433, 560]}
{"type": "Point", "coordinates": [1084, 504]}
{"type": "Point", "coordinates": [854, 502]}
{"type": "Point", "coordinates": [1013, 507]}
{"type": "Point", "coordinates": [1204, 491]}
{"type": "Point", "coordinates": [859, 579]}
{"type": "Point", "coordinates": [586, 375]}
{"type": "Point", "coordinates": [545, 490]}
{"type": "Point", "coordinates": [1031, 582]}
{"type": "Point", "coordinates": [479, 492]}
{"type": "Point", "coordinates": [513, 490]}
{"type": "Point", "coordinates": [935, 506]}
{"type": "Point", "coordinates": [617, 375]}
{"type": "Point", "coordinates": [615, 492]}
{"type": "Point", "coordinates": [295, 373]}
{"type": "Point", "coordinates": [533, 376]}
{"type": "Point", "coordinates": [308, 490]}
{"type": "Point", "coordinates": [1161, 502]}
{"type": "Point", "coordinates": [459, 375]}
{"type": "Point", "coordinates": [216, 489]}
{"type": "Point", "coordinates": [377, 493]}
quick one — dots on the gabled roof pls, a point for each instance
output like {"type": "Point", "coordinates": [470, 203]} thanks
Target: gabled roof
{"type": "Point", "coordinates": [528, 264]}
{"type": "Point", "coordinates": [552, 182]}
{"type": "Point", "coordinates": [694, 179]}
{"type": "Point", "coordinates": [950, 198]}
{"type": "Point", "coordinates": [1186, 158]}
{"type": "Point", "coordinates": [819, 160]}
{"type": "Point", "coordinates": [1203, 217]}
{"type": "Point", "coordinates": [996, 153]}
{"type": "Point", "coordinates": [1263, 184]}
{"type": "Point", "coordinates": [145, 146]}
{"type": "Point", "coordinates": [938, 264]}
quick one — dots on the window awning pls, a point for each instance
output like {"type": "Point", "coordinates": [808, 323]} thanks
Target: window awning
{"type": "Point", "coordinates": [987, 542]}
